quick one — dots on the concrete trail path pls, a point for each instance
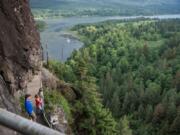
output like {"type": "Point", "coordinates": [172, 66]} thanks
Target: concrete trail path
{"type": "Point", "coordinates": [34, 86]}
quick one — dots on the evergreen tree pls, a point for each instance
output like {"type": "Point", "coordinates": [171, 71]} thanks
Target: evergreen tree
{"type": "Point", "coordinates": [149, 113]}
{"type": "Point", "coordinates": [123, 126]}
{"type": "Point", "coordinates": [96, 119]}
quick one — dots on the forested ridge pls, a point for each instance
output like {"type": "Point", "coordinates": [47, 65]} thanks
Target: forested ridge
{"type": "Point", "coordinates": [65, 8]}
{"type": "Point", "coordinates": [135, 65]}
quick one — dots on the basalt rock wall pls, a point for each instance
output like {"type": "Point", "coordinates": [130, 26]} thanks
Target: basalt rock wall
{"type": "Point", "coordinates": [19, 43]}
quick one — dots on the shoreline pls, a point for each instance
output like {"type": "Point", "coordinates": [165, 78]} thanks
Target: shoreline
{"type": "Point", "coordinates": [113, 16]}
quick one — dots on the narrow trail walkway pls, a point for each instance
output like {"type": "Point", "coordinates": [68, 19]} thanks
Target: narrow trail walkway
{"type": "Point", "coordinates": [34, 86]}
{"type": "Point", "coordinates": [33, 89]}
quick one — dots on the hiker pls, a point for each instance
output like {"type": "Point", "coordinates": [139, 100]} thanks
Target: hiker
{"type": "Point", "coordinates": [39, 104]}
{"type": "Point", "coordinates": [29, 107]}
{"type": "Point", "coordinates": [41, 95]}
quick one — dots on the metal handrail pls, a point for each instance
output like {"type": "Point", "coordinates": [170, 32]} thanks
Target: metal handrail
{"type": "Point", "coordinates": [24, 126]}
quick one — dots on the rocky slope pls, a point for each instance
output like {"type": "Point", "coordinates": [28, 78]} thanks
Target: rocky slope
{"type": "Point", "coordinates": [20, 52]}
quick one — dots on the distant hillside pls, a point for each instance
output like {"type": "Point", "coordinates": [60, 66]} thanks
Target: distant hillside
{"type": "Point", "coordinates": [110, 7]}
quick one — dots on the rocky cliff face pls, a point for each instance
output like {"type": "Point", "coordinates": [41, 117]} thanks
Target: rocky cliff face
{"type": "Point", "coordinates": [19, 43]}
{"type": "Point", "coordinates": [20, 50]}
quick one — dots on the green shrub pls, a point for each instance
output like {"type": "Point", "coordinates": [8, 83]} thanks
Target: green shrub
{"type": "Point", "coordinates": [54, 98]}
{"type": "Point", "coordinates": [21, 101]}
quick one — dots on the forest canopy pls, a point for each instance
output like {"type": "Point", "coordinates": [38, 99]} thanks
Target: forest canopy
{"type": "Point", "coordinates": [135, 66]}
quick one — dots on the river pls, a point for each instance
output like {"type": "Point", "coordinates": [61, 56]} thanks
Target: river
{"type": "Point", "coordinates": [60, 47]}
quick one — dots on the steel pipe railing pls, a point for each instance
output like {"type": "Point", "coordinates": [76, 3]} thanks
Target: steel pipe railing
{"type": "Point", "coordinates": [23, 125]}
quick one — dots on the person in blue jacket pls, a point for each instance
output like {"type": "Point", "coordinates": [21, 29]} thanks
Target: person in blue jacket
{"type": "Point", "coordinates": [29, 107]}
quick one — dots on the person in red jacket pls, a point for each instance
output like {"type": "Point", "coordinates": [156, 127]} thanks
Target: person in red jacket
{"type": "Point", "coordinates": [39, 104]}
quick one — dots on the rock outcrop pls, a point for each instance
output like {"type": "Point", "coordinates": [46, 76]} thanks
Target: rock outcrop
{"type": "Point", "coordinates": [7, 101]}
{"type": "Point", "coordinates": [19, 43]}
{"type": "Point", "coordinates": [20, 52]}
{"type": "Point", "coordinates": [58, 120]}
{"type": "Point", "coordinates": [51, 82]}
